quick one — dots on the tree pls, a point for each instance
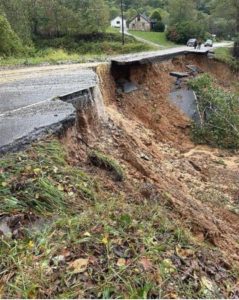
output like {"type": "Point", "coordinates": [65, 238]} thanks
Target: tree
{"type": "Point", "coordinates": [228, 11]}
{"type": "Point", "coordinates": [181, 11]}
{"type": "Point", "coordinates": [10, 44]}
{"type": "Point", "coordinates": [17, 14]}
{"type": "Point", "coordinates": [157, 23]}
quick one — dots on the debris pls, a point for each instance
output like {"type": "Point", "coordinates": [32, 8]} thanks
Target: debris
{"type": "Point", "coordinates": [121, 262]}
{"type": "Point", "coordinates": [4, 228]}
{"type": "Point", "coordinates": [145, 157]}
{"type": "Point", "coordinates": [146, 264]}
{"type": "Point", "coordinates": [79, 265]}
{"type": "Point", "coordinates": [179, 74]}
{"type": "Point", "coordinates": [129, 87]}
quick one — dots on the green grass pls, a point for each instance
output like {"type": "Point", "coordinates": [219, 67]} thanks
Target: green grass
{"type": "Point", "coordinates": [103, 161]}
{"type": "Point", "coordinates": [154, 37]}
{"type": "Point", "coordinates": [225, 55]}
{"type": "Point", "coordinates": [131, 247]}
{"type": "Point", "coordinates": [41, 181]}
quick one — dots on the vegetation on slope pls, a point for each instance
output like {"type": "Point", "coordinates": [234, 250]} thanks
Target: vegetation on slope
{"type": "Point", "coordinates": [76, 49]}
{"type": "Point", "coordinates": [71, 237]}
{"type": "Point", "coordinates": [225, 55]}
{"type": "Point", "coordinates": [218, 109]}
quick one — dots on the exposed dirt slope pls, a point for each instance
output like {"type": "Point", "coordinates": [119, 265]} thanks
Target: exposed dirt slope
{"type": "Point", "coordinates": [151, 139]}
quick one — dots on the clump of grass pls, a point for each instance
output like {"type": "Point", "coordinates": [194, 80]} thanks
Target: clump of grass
{"type": "Point", "coordinates": [102, 161]}
{"type": "Point", "coordinates": [40, 180]}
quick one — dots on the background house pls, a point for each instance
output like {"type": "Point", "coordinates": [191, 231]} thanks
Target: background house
{"type": "Point", "coordinates": [141, 23]}
{"type": "Point", "coordinates": [117, 22]}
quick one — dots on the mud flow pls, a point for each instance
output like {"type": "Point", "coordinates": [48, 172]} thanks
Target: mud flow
{"type": "Point", "coordinates": [130, 117]}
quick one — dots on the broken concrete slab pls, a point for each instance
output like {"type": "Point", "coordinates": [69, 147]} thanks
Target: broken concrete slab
{"type": "Point", "coordinates": [194, 69]}
{"type": "Point", "coordinates": [179, 74]}
{"type": "Point", "coordinates": [129, 87]}
{"type": "Point", "coordinates": [20, 127]}
{"type": "Point", "coordinates": [186, 101]}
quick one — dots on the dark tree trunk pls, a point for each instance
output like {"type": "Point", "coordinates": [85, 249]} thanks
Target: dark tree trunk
{"type": "Point", "coordinates": [236, 49]}
{"type": "Point", "coordinates": [236, 45]}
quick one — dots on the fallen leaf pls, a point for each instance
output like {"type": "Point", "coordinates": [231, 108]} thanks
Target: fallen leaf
{"type": "Point", "coordinates": [172, 295]}
{"type": "Point", "coordinates": [105, 240]}
{"type": "Point", "coordinates": [206, 283]}
{"type": "Point", "coordinates": [60, 188]}
{"type": "Point", "coordinates": [121, 262]}
{"type": "Point", "coordinates": [79, 265]}
{"type": "Point", "coordinates": [87, 234]}
{"type": "Point", "coordinates": [146, 263]}
{"type": "Point", "coordinates": [31, 244]}
{"type": "Point", "coordinates": [37, 171]}
{"type": "Point", "coordinates": [184, 253]}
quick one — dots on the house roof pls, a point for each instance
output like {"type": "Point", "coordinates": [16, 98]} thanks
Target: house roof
{"type": "Point", "coordinates": [143, 16]}
{"type": "Point", "coordinates": [117, 18]}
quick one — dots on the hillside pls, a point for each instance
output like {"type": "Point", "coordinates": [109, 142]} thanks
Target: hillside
{"type": "Point", "coordinates": [123, 204]}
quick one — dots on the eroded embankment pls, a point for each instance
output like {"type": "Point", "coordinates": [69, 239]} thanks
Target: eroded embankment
{"type": "Point", "coordinates": [130, 209]}
{"type": "Point", "coordinates": [151, 139]}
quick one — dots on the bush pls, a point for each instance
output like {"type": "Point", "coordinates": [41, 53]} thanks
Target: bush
{"type": "Point", "coordinates": [10, 44]}
{"type": "Point", "coordinates": [159, 27]}
{"type": "Point", "coordinates": [182, 32]}
{"type": "Point", "coordinates": [219, 114]}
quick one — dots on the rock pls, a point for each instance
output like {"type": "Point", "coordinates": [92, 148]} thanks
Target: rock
{"type": "Point", "coordinates": [145, 157]}
{"type": "Point", "coordinates": [4, 228]}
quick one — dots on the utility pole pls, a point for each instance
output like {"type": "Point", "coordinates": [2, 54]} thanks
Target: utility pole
{"type": "Point", "coordinates": [122, 16]}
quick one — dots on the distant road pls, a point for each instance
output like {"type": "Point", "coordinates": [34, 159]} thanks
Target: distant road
{"type": "Point", "coordinates": [145, 57]}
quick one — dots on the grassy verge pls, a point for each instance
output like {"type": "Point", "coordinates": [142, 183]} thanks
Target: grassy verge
{"type": "Point", "coordinates": [154, 37]}
{"type": "Point", "coordinates": [76, 49]}
{"type": "Point", "coordinates": [225, 55]}
{"type": "Point", "coordinates": [218, 109]}
{"type": "Point", "coordinates": [91, 240]}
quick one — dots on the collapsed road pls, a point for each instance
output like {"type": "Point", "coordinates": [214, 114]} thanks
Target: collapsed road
{"type": "Point", "coordinates": [27, 109]}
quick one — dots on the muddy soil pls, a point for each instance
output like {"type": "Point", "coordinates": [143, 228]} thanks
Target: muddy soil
{"type": "Point", "coordinates": [150, 138]}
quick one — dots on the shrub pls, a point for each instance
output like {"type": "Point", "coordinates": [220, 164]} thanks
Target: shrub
{"type": "Point", "coordinates": [219, 114]}
{"type": "Point", "coordinates": [159, 27]}
{"type": "Point", "coordinates": [182, 32]}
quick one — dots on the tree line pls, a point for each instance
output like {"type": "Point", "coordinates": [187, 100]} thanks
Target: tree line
{"type": "Point", "coordinates": [24, 21]}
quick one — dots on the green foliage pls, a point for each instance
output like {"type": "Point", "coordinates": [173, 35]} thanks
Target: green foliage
{"type": "Point", "coordinates": [10, 44]}
{"type": "Point", "coordinates": [219, 115]}
{"type": "Point", "coordinates": [102, 161]}
{"type": "Point", "coordinates": [182, 32]}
